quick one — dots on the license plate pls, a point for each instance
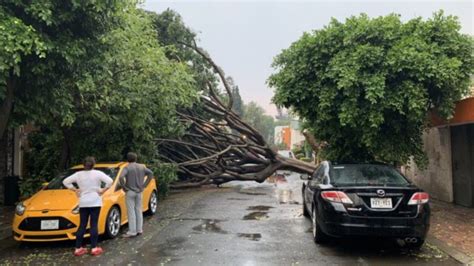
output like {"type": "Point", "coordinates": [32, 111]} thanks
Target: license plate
{"type": "Point", "coordinates": [381, 203]}
{"type": "Point", "coordinates": [49, 224]}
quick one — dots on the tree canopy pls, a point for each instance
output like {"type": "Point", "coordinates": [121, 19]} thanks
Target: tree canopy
{"type": "Point", "coordinates": [93, 80]}
{"type": "Point", "coordinates": [366, 86]}
{"type": "Point", "coordinates": [255, 116]}
{"type": "Point", "coordinates": [42, 44]}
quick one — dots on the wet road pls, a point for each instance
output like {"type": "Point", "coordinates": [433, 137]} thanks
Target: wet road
{"type": "Point", "coordinates": [238, 224]}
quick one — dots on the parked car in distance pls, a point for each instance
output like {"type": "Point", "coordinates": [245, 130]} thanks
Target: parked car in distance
{"type": "Point", "coordinates": [365, 199]}
{"type": "Point", "coordinates": [52, 213]}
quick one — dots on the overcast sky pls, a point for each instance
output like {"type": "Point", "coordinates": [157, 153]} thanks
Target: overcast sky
{"type": "Point", "coordinates": [244, 36]}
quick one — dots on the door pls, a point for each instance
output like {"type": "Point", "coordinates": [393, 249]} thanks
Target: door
{"type": "Point", "coordinates": [462, 150]}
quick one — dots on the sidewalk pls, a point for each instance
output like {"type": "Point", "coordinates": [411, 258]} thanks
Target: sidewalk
{"type": "Point", "coordinates": [452, 228]}
{"type": "Point", "coordinates": [6, 217]}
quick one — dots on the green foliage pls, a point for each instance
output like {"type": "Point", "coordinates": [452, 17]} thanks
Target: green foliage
{"type": "Point", "coordinates": [281, 146]}
{"type": "Point", "coordinates": [105, 86]}
{"type": "Point", "coordinates": [365, 86]}
{"type": "Point", "coordinates": [29, 186]}
{"type": "Point", "coordinates": [238, 103]}
{"type": "Point", "coordinates": [255, 116]}
{"type": "Point", "coordinates": [176, 37]}
{"type": "Point", "coordinates": [121, 99]}
{"type": "Point", "coordinates": [305, 159]}
{"type": "Point", "coordinates": [298, 152]}
{"type": "Point", "coordinates": [165, 173]}
{"type": "Point", "coordinates": [42, 44]}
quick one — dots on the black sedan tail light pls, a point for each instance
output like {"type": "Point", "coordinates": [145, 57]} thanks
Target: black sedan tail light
{"type": "Point", "coordinates": [336, 196]}
{"type": "Point", "coordinates": [419, 198]}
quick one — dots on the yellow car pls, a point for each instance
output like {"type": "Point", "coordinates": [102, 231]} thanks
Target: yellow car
{"type": "Point", "coordinates": [52, 213]}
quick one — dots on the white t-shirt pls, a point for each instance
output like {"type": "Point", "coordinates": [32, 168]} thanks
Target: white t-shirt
{"type": "Point", "coordinates": [89, 182]}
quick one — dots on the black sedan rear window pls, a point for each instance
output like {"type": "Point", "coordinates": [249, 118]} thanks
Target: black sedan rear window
{"type": "Point", "coordinates": [366, 175]}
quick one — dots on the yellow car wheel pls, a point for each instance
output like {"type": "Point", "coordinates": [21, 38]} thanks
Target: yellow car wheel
{"type": "Point", "coordinates": [113, 222]}
{"type": "Point", "coordinates": [152, 203]}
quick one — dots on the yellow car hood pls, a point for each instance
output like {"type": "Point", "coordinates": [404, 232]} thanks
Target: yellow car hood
{"type": "Point", "coordinates": [54, 199]}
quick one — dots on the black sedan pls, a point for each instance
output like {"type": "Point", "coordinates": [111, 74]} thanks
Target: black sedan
{"type": "Point", "coordinates": [365, 200]}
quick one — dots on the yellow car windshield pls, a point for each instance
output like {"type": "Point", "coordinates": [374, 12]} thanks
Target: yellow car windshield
{"type": "Point", "coordinates": [57, 182]}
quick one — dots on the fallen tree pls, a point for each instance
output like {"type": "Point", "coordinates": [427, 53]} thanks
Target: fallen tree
{"type": "Point", "coordinates": [218, 146]}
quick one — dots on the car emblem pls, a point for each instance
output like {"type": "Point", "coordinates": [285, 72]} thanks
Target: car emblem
{"type": "Point", "coordinates": [381, 193]}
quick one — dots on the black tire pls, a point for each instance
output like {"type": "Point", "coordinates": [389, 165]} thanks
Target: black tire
{"type": "Point", "coordinates": [113, 223]}
{"type": "Point", "coordinates": [305, 210]}
{"type": "Point", "coordinates": [152, 203]}
{"type": "Point", "coordinates": [319, 236]}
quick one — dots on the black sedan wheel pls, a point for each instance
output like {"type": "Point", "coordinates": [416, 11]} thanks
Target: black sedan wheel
{"type": "Point", "coordinates": [318, 235]}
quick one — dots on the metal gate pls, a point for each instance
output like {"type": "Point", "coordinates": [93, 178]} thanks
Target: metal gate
{"type": "Point", "coordinates": [462, 150]}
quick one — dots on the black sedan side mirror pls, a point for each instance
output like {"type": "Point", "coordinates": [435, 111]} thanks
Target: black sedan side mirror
{"type": "Point", "coordinates": [305, 177]}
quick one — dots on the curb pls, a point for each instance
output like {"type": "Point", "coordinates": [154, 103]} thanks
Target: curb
{"type": "Point", "coordinates": [451, 251]}
{"type": "Point", "coordinates": [5, 232]}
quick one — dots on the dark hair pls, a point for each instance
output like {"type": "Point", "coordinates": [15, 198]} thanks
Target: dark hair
{"type": "Point", "coordinates": [131, 157]}
{"type": "Point", "coordinates": [89, 163]}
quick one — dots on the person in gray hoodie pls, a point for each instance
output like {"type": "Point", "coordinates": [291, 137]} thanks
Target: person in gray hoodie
{"type": "Point", "coordinates": [133, 183]}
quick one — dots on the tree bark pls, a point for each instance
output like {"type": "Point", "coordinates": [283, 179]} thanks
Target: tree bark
{"type": "Point", "coordinates": [65, 157]}
{"type": "Point", "coordinates": [219, 146]}
{"type": "Point", "coordinates": [7, 104]}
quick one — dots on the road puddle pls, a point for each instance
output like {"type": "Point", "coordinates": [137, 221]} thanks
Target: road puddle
{"type": "Point", "coordinates": [277, 179]}
{"type": "Point", "coordinates": [256, 216]}
{"type": "Point", "coordinates": [211, 226]}
{"type": "Point", "coordinates": [252, 193]}
{"type": "Point", "coordinates": [237, 199]}
{"type": "Point", "coordinates": [285, 196]}
{"type": "Point", "coordinates": [259, 208]}
{"type": "Point", "coordinates": [253, 237]}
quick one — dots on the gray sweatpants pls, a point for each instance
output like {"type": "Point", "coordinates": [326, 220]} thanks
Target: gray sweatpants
{"type": "Point", "coordinates": [134, 212]}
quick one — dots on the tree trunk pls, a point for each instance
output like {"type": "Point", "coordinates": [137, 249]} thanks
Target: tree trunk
{"type": "Point", "coordinates": [218, 146]}
{"type": "Point", "coordinates": [315, 145]}
{"type": "Point", "coordinates": [65, 150]}
{"type": "Point", "coordinates": [7, 104]}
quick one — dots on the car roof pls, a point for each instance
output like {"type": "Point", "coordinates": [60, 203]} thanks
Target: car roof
{"type": "Point", "coordinates": [102, 165]}
{"type": "Point", "coordinates": [361, 163]}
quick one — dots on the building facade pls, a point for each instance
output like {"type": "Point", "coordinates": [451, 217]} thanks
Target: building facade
{"type": "Point", "coordinates": [11, 160]}
{"type": "Point", "coordinates": [449, 146]}
{"type": "Point", "coordinates": [289, 135]}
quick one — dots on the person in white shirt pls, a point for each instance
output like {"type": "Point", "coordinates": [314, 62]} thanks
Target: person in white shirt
{"type": "Point", "coordinates": [89, 192]}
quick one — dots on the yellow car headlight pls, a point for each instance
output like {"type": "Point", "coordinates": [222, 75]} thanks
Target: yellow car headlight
{"type": "Point", "coordinates": [20, 209]}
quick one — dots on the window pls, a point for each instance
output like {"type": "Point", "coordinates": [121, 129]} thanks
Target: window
{"type": "Point", "coordinates": [366, 175]}
{"type": "Point", "coordinates": [57, 182]}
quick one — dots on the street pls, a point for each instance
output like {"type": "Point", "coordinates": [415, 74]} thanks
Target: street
{"type": "Point", "coordinates": [237, 224]}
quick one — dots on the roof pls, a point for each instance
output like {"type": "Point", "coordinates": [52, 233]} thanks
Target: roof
{"type": "Point", "coordinates": [356, 162]}
{"type": "Point", "coordinates": [101, 165]}
{"type": "Point", "coordinates": [463, 114]}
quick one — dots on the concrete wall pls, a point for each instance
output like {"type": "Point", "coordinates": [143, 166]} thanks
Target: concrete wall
{"type": "Point", "coordinates": [437, 178]}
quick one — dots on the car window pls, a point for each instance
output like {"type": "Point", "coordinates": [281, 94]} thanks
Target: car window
{"type": "Point", "coordinates": [57, 182]}
{"type": "Point", "coordinates": [366, 175]}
